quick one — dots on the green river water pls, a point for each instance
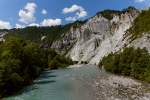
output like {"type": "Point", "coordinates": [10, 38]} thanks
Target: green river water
{"type": "Point", "coordinates": [63, 84]}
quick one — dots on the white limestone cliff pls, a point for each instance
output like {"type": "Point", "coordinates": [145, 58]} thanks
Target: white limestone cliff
{"type": "Point", "coordinates": [98, 37]}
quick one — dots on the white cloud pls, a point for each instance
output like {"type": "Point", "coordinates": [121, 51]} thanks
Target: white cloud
{"type": "Point", "coordinates": [45, 22]}
{"type": "Point", "coordinates": [51, 22]}
{"type": "Point", "coordinates": [72, 9]}
{"type": "Point", "coordinates": [44, 12]}
{"type": "Point", "coordinates": [23, 26]}
{"type": "Point", "coordinates": [27, 13]}
{"type": "Point", "coordinates": [5, 25]}
{"type": "Point", "coordinates": [140, 1]}
{"type": "Point", "coordinates": [78, 10]}
{"type": "Point", "coordinates": [19, 26]}
{"type": "Point", "coordinates": [145, 3]}
{"type": "Point", "coordinates": [70, 18]}
{"type": "Point", "coordinates": [81, 14]}
{"type": "Point", "coordinates": [34, 24]}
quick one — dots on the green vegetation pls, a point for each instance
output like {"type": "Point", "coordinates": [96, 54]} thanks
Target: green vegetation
{"type": "Point", "coordinates": [35, 33]}
{"type": "Point", "coordinates": [56, 61]}
{"type": "Point", "coordinates": [131, 62]}
{"type": "Point", "coordinates": [59, 62]}
{"type": "Point", "coordinates": [21, 61]}
{"type": "Point", "coordinates": [141, 24]}
{"type": "Point", "coordinates": [109, 14]}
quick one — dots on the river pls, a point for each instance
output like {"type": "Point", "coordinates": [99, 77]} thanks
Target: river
{"type": "Point", "coordinates": [82, 82]}
{"type": "Point", "coordinates": [63, 84]}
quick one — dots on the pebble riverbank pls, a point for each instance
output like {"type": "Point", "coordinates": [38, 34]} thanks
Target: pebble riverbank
{"type": "Point", "coordinates": [112, 87]}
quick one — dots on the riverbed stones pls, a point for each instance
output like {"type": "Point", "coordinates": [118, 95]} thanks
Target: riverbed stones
{"type": "Point", "coordinates": [111, 87]}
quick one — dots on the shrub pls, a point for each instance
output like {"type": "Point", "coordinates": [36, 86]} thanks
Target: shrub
{"type": "Point", "coordinates": [141, 24]}
{"type": "Point", "coordinates": [130, 62]}
{"type": "Point", "coordinates": [20, 62]}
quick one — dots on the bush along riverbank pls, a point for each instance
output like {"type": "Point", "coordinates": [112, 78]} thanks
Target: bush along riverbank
{"type": "Point", "coordinates": [130, 62]}
{"type": "Point", "coordinates": [21, 61]}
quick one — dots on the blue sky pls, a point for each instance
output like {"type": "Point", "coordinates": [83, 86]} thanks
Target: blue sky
{"type": "Point", "coordinates": [21, 13]}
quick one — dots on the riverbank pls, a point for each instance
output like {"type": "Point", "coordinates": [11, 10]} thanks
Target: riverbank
{"type": "Point", "coordinates": [112, 87]}
{"type": "Point", "coordinates": [83, 82]}
{"type": "Point", "coordinates": [75, 83]}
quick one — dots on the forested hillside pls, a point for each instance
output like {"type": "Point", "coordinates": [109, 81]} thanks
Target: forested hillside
{"type": "Point", "coordinates": [52, 33]}
{"type": "Point", "coordinates": [21, 61]}
{"type": "Point", "coordinates": [141, 24]}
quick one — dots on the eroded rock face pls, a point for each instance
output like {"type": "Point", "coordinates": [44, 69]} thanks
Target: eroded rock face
{"type": "Point", "coordinates": [142, 42]}
{"type": "Point", "coordinates": [2, 34]}
{"type": "Point", "coordinates": [96, 38]}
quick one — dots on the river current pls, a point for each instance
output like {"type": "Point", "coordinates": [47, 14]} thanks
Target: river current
{"type": "Point", "coordinates": [63, 84]}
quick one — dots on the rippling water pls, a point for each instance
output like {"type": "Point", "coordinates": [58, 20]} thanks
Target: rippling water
{"type": "Point", "coordinates": [64, 84]}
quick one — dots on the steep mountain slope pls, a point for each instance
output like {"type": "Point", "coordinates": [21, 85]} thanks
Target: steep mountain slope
{"type": "Point", "coordinates": [89, 41]}
{"type": "Point", "coordinates": [46, 34]}
{"type": "Point", "coordinates": [99, 36]}
{"type": "Point", "coordinates": [139, 33]}
{"type": "Point", "coordinates": [3, 32]}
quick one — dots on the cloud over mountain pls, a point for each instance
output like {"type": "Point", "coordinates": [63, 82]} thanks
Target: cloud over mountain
{"type": "Point", "coordinates": [51, 22]}
{"type": "Point", "coordinates": [5, 25]}
{"type": "Point", "coordinates": [27, 14]}
{"type": "Point", "coordinates": [79, 11]}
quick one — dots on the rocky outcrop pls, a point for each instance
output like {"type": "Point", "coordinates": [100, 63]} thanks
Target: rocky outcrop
{"type": "Point", "coordinates": [2, 34]}
{"type": "Point", "coordinates": [142, 42]}
{"type": "Point", "coordinates": [98, 37]}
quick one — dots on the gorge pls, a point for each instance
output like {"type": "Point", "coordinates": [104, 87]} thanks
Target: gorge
{"type": "Point", "coordinates": [87, 43]}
